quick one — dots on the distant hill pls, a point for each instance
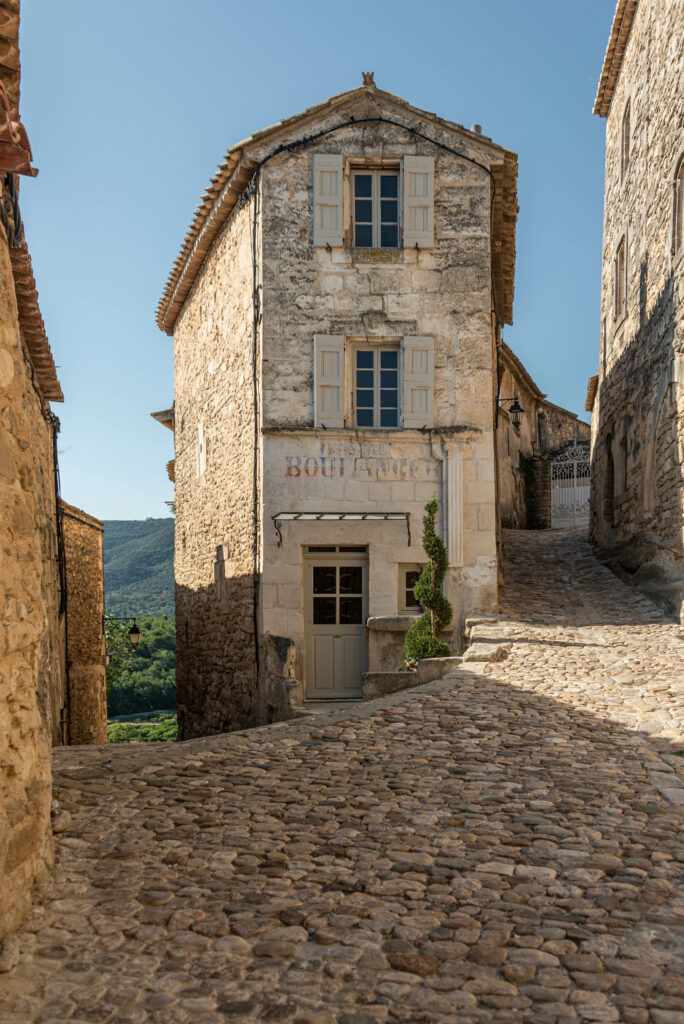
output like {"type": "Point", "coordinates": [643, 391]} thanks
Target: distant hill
{"type": "Point", "coordinates": [138, 566]}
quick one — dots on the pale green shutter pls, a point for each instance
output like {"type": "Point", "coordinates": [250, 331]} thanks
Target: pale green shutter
{"type": "Point", "coordinates": [328, 380]}
{"type": "Point", "coordinates": [327, 199]}
{"type": "Point", "coordinates": [418, 368]}
{"type": "Point", "coordinates": [419, 201]}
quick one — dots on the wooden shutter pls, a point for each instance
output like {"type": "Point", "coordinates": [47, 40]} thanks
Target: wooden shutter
{"type": "Point", "coordinates": [328, 380]}
{"type": "Point", "coordinates": [418, 381]}
{"type": "Point", "coordinates": [419, 201]}
{"type": "Point", "coordinates": [327, 199]}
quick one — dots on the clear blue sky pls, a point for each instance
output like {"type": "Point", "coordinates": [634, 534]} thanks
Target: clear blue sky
{"type": "Point", "coordinates": [129, 107]}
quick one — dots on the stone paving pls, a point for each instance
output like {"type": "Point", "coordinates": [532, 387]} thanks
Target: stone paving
{"type": "Point", "coordinates": [502, 845]}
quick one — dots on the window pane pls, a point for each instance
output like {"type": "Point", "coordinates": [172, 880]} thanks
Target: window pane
{"type": "Point", "coordinates": [352, 547]}
{"type": "Point", "coordinates": [324, 579]}
{"type": "Point", "coordinates": [321, 547]}
{"type": "Point", "coordinates": [389, 185]}
{"type": "Point", "coordinates": [363, 211]}
{"type": "Point", "coordinates": [351, 611]}
{"type": "Point", "coordinates": [351, 577]}
{"type": "Point", "coordinates": [363, 236]}
{"type": "Point", "coordinates": [412, 577]}
{"type": "Point", "coordinates": [364, 417]}
{"type": "Point", "coordinates": [388, 418]}
{"type": "Point", "coordinates": [324, 611]}
{"type": "Point", "coordinates": [388, 211]}
{"type": "Point", "coordinates": [364, 399]}
{"type": "Point", "coordinates": [388, 398]}
{"type": "Point", "coordinates": [364, 359]}
{"type": "Point", "coordinates": [389, 236]}
{"type": "Point", "coordinates": [388, 378]}
{"type": "Point", "coordinates": [364, 378]}
{"type": "Point", "coordinates": [363, 184]}
{"type": "Point", "coordinates": [389, 359]}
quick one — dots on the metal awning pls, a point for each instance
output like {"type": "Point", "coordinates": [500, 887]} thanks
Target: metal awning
{"type": "Point", "coordinates": [327, 517]}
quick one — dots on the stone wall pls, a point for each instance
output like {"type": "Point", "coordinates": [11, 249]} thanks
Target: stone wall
{"type": "Point", "coordinates": [85, 653]}
{"type": "Point", "coordinates": [32, 693]}
{"type": "Point", "coordinates": [215, 471]}
{"type": "Point", "coordinates": [638, 453]}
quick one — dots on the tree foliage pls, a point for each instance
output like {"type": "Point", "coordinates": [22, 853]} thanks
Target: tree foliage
{"type": "Point", "coordinates": [147, 680]}
{"type": "Point", "coordinates": [422, 639]}
{"type": "Point", "coordinates": [119, 650]}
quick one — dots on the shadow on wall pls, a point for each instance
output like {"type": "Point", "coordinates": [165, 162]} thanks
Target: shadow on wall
{"type": "Point", "coordinates": [222, 682]}
{"type": "Point", "coordinates": [637, 474]}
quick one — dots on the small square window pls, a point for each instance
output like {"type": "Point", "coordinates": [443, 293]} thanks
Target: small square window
{"type": "Point", "coordinates": [408, 577]}
{"type": "Point", "coordinates": [376, 209]}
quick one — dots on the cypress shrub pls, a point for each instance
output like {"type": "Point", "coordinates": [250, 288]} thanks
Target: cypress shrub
{"type": "Point", "coordinates": [422, 639]}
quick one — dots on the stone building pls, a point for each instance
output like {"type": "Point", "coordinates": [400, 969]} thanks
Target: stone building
{"type": "Point", "coordinates": [638, 396]}
{"type": "Point", "coordinates": [526, 444]}
{"type": "Point", "coordinates": [336, 309]}
{"type": "Point", "coordinates": [34, 680]}
{"type": "Point", "coordinates": [85, 651]}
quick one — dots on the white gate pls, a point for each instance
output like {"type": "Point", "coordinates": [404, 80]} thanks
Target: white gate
{"type": "Point", "coordinates": [570, 486]}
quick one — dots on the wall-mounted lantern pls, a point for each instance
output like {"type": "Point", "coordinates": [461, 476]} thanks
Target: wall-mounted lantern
{"type": "Point", "coordinates": [515, 410]}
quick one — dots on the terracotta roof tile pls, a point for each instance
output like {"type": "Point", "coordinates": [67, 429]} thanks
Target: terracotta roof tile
{"type": "Point", "coordinates": [612, 62]}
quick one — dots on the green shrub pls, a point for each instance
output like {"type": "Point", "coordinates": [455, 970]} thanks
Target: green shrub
{"type": "Point", "coordinates": [422, 639]}
{"type": "Point", "coordinates": [162, 727]}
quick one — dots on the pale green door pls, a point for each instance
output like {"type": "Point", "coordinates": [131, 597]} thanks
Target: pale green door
{"type": "Point", "coordinates": [336, 609]}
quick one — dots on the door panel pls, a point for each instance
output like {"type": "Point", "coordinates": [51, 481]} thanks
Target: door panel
{"type": "Point", "coordinates": [336, 608]}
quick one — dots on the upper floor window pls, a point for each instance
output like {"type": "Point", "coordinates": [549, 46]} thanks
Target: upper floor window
{"type": "Point", "coordinates": [620, 280]}
{"type": "Point", "coordinates": [625, 144]}
{"type": "Point", "coordinates": [376, 209]}
{"type": "Point", "coordinates": [379, 207]}
{"type": "Point", "coordinates": [376, 390]}
{"type": "Point", "coordinates": [373, 383]}
{"type": "Point", "coordinates": [678, 237]}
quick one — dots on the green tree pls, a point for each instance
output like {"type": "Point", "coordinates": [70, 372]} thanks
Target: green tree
{"type": "Point", "coordinates": [119, 650]}
{"type": "Point", "coordinates": [422, 639]}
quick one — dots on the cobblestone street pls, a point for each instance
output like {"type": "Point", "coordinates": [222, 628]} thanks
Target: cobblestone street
{"type": "Point", "coordinates": [502, 845]}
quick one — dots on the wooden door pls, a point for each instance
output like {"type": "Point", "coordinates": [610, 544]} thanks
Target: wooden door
{"type": "Point", "coordinates": [336, 609]}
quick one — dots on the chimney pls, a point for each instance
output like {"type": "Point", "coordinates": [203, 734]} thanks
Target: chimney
{"type": "Point", "coordinates": [477, 128]}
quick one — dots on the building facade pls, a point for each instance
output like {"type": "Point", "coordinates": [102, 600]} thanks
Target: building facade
{"type": "Point", "coordinates": [36, 709]}
{"type": "Point", "coordinates": [638, 399]}
{"type": "Point", "coordinates": [526, 444]}
{"type": "Point", "coordinates": [336, 310]}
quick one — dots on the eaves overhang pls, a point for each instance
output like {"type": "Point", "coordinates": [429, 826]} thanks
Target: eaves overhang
{"type": "Point", "coordinates": [615, 51]}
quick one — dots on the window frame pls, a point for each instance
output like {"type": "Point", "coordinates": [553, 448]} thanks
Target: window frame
{"type": "Point", "coordinates": [376, 173]}
{"type": "Point", "coordinates": [678, 209]}
{"type": "Point", "coordinates": [625, 140]}
{"type": "Point", "coordinates": [402, 589]}
{"type": "Point", "coordinates": [620, 281]}
{"type": "Point", "coordinates": [376, 346]}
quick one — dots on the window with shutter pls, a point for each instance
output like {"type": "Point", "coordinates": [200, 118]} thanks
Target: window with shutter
{"type": "Point", "coordinates": [419, 201]}
{"type": "Point", "coordinates": [328, 380]}
{"type": "Point", "coordinates": [327, 199]}
{"type": "Point", "coordinates": [418, 381]}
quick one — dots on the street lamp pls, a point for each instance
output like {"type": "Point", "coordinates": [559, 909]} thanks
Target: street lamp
{"type": "Point", "coordinates": [134, 634]}
{"type": "Point", "coordinates": [515, 410]}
